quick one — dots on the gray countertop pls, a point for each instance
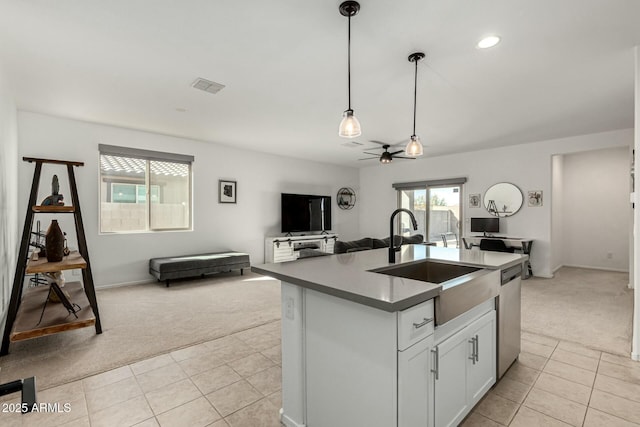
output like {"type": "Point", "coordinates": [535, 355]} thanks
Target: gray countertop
{"type": "Point", "coordinates": [347, 275]}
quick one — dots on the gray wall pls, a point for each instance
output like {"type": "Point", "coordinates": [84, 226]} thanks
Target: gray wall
{"type": "Point", "coordinates": [528, 166]}
{"type": "Point", "coordinates": [123, 258]}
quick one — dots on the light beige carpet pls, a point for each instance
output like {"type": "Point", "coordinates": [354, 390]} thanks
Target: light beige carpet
{"type": "Point", "coordinates": [146, 320]}
{"type": "Point", "coordinates": [590, 307]}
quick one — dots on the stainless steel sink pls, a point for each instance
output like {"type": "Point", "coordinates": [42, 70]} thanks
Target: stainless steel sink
{"type": "Point", "coordinates": [463, 287]}
{"type": "Point", "coordinates": [427, 271]}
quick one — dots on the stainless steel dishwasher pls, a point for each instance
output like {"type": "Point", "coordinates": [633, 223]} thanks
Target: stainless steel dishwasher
{"type": "Point", "coordinates": [509, 320]}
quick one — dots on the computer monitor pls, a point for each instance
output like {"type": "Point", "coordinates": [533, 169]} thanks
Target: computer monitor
{"type": "Point", "coordinates": [485, 225]}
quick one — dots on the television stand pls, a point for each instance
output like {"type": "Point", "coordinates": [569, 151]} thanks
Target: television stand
{"type": "Point", "coordinates": [287, 248]}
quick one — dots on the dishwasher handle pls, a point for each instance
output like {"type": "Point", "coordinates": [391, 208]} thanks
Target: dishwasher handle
{"type": "Point", "coordinates": [510, 273]}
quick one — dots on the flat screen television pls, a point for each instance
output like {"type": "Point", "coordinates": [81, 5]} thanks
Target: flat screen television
{"type": "Point", "coordinates": [304, 212]}
{"type": "Point", "coordinates": [485, 225]}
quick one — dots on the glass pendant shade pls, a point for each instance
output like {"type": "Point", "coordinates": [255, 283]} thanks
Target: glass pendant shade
{"type": "Point", "coordinates": [414, 147]}
{"type": "Point", "coordinates": [349, 126]}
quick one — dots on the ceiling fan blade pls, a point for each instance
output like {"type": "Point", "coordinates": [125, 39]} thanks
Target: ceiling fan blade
{"type": "Point", "coordinates": [396, 152]}
{"type": "Point", "coordinates": [371, 154]}
{"type": "Point", "coordinates": [407, 158]}
{"type": "Point", "coordinates": [369, 158]}
{"type": "Point", "coordinates": [378, 142]}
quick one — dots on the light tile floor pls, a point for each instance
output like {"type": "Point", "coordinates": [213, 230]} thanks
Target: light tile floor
{"type": "Point", "coordinates": [235, 381]}
{"type": "Point", "coordinates": [558, 383]}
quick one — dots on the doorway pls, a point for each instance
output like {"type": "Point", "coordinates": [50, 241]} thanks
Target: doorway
{"type": "Point", "coordinates": [591, 242]}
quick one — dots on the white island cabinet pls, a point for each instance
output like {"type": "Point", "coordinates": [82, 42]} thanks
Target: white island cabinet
{"type": "Point", "coordinates": [415, 385]}
{"type": "Point", "coordinates": [465, 369]}
{"type": "Point", "coordinates": [348, 364]}
{"type": "Point", "coordinates": [370, 343]}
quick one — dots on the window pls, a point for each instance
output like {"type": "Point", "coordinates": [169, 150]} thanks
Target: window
{"type": "Point", "coordinates": [437, 206]}
{"type": "Point", "coordinates": [143, 190]}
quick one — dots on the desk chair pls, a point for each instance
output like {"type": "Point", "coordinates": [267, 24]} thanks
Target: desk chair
{"type": "Point", "coordinates": [449, 235]}
{"type": "Point", "coordinates": [495, 245]}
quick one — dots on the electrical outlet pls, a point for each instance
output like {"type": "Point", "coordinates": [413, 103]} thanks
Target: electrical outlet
{"type": "Point", "coordinates": [289, 305]}
{"type": "Point", "coordinates": [609, 255]}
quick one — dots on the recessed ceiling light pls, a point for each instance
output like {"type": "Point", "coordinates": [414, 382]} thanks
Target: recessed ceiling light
{"type": "Point", "coordinates": [488, 42]}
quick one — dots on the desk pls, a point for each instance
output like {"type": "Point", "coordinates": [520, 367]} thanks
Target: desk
{"type": "Point", "coordinates": [512, 242]}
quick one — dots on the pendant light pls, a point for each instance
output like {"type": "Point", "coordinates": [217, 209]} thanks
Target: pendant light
{"type": "Point", "coordinates": [414, 147]}
{"type": "Point", "coordinates": [349, 126]}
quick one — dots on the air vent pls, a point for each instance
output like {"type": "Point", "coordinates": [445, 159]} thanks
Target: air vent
{"type": "Point", "coordinates": [207, 85]}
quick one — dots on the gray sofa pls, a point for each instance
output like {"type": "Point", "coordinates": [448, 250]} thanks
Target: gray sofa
{"type": "Point", "coordinates": [367, 243]}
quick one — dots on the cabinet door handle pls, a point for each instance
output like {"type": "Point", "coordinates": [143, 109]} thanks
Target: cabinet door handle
{"type": "Point", "coordinates": [436, 362]}
{"type": "Point", "coordinates": [477, 348]}
{"type": "Point", "coordinates": [472, 341]}
{"type": "Point", "coordinates": [421, 324]}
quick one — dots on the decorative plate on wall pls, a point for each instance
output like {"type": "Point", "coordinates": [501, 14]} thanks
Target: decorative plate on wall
{"type": "Point", "coordinates": [346, 198]}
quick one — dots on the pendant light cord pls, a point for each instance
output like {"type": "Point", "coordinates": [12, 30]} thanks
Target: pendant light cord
{"type": "Point", "coordinates": [415, 98]}
{"type": "Point", "coordinates": [349, 59]}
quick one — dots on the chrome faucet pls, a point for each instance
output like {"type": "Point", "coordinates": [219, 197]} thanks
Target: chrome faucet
{"type": "Point", "coordinates": [392, 247]}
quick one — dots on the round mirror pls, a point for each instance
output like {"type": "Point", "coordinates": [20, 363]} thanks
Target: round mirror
{"type": "Point", "coordinates": [503, 199]}
{"type": "Point", "coordinates": [346, 198]}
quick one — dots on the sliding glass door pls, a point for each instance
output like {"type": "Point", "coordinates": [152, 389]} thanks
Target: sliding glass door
{"type": "Point", "coordinates": [444, 215]}
{"type": "Point", "coordinates": [438, 210]}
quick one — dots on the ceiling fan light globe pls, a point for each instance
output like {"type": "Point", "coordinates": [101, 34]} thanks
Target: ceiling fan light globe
{"type": "Point", "coordinates": [349, 126]}
{"type": "Point", "coordinates": [414, 147]}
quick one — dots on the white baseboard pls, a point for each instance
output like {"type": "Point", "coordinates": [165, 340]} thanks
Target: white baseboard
{"type": "Point", "coordinates": [288, 421]}
{"type": "Point", "coordinates": [119, 285]}
{"type": "Point", "coordinates": [544, 276]}
{"type": "Point", "coordinates": [590, 267]}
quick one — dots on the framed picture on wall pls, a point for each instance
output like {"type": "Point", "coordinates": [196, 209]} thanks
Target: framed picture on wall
{"type": "Point", "coordinates": [227, 191]}
{"type": "Point", "coordinates": [474, 200]}
{"type": "Point", "coordinates": [534, 198]}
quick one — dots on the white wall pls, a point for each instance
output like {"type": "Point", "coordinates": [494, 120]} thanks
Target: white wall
{"type": "Point", "coordinates": [630, 208]}
{"type": "Point", "coordinates": [528, 166]}
{"type": "Point", "coordinates": [557, 212]}
{"type": "Point", "coordinates": [242, 227]}
{"type": "Point", "coordinates": [8, 194]}
{"type": "Point", "coordinates": [595, 209]}
{"type": "Point", "coordinates": [635, 349]}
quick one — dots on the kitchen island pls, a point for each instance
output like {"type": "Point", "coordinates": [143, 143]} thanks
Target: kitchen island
{"type": "Point", "coordinates": [369, 343]}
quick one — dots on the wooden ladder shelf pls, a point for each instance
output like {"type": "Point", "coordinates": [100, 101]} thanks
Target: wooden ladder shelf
{"type": "Point", "coordinates": [25, 310]}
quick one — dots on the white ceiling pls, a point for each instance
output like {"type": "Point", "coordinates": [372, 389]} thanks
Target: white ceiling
{"type": "Point", "coordinates": [563, 68]}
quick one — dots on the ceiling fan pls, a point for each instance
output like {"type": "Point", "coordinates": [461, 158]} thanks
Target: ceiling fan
{"type": "Point", "coordinates": [386, 156]}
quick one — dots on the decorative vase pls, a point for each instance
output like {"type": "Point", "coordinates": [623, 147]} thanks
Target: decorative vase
{"type": "Point", "coordinates": [54, 242]}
